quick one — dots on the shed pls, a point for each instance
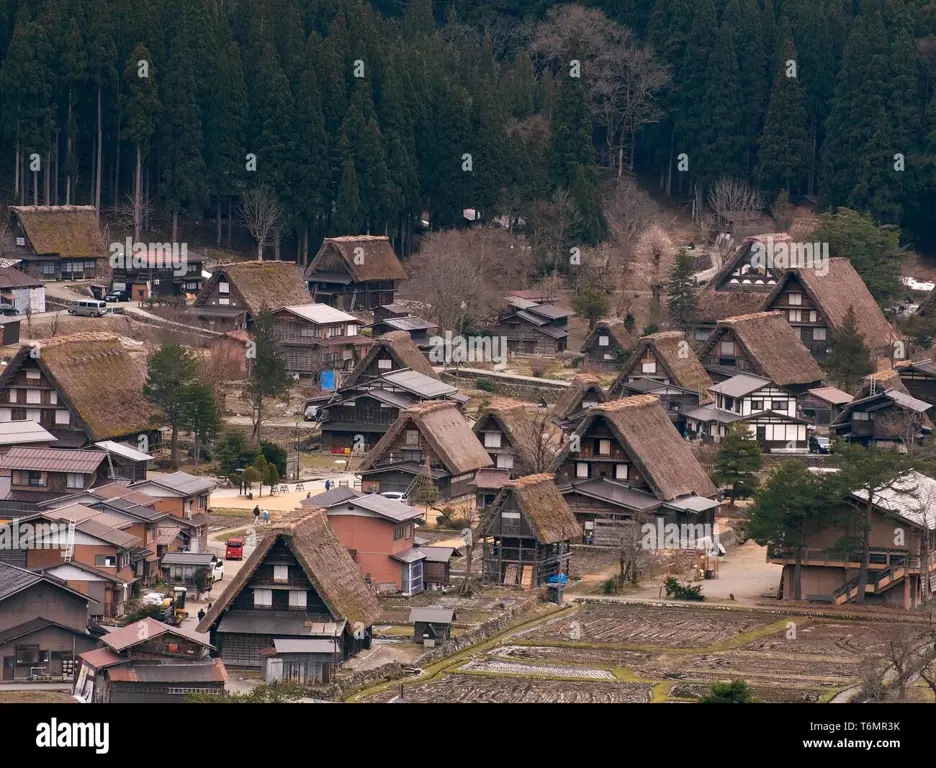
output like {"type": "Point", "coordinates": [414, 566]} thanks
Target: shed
{"type": "Point", "coordinates": [432, 625]}
{"type": "Point", "coordinates": [179, 568]}
{"type": "Point", "coordinates": [300, 660]}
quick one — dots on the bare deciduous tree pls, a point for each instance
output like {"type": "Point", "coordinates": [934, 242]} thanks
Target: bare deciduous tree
{"type": "Point", "coordinates": [260, 210]}
{"type": "Point", "coordinates": [734, 201]}
{"type": "Point", "coordinates": [542, 439]}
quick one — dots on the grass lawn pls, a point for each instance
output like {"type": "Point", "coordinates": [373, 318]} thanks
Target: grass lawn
{"type": "Point", "coordinates": [327, 461]}
{"type": "Point", "coordinates": [232, 511]}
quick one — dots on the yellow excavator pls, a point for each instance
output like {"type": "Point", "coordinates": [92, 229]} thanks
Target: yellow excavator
{"type": "Point", "coordinates": [174, 607]}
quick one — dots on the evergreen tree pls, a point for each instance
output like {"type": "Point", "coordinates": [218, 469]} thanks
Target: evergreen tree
{"type": "Point", "coordinates": [200, 415]}
{"type": "Point", "coordinates": [140, 108]}
{"type": "Point", "coordinates": [753, 66]}
{"type": "Point", "coordinates": [722, 145]}
{"type": "Point", "coordinates": [273, 106]}
{"type": "Point", "coordinates": [102, 55]}
{"type": "Point", "coordinates": [589, 227]}
{"type": "Point", "coordinates": [170, 372]}
{"type": "Point", "coordinates": [783, 155]}
{"type": "Point", "coordinates": [74, 74]}
{"type": "Point", "coordinates": [347, 218]}
{"type": "Point", "coordinates": [570, 145]}
{"type": "Point", "coordinates": [681, 289]}
{"type": "Point", "coordinates": [233, 453]}
{"type": "Point", "coordinates": [268, 376]}
{"type": "Point", "coordinates": [737, 462]}
{"type": "Point", "coordinates": [735, 692]}
{"type": "Point", "coordinates": [849, 361]}
{"type": "Point", "coordinates": [591, 305]}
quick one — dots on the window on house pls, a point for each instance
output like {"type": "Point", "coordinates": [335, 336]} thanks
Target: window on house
{"type": "Point", "coordinates": [5, 414]}
{"type": "Point", "coordinates": [413, 456]}
{"type": "Point", "coordinates": [34, 414]}
{"type": "Point", "coordinates": [35, 479]}
{"type": "Point", "coordinates": [385, 365]}
{"type": "Point", "coordinates": [727, 348]}
{"type": "Point", "coordinates": [729, 403]}
{"type": "Point", "coordinates": [14, 397]}
{"type": "Point", "coordinates": [224, 302]}
{"type": "Point", "coordinates": [819, 334]}
{"type": "Point", "coordinates": [62, 417]}
{"type": "Point", "coordinates": [581, 469]}
{"type": "Point", "coordinates": [620, 471]}
{"type": "Point", "coordinates": [813, 316]}
{"type": "Point", "coordinates": [33, 396]}
{"type": "Point", "coordinates": [412, 437]}
{"type": "Point", "coordinates": [19, 414]}
{"type": "Point", "coordinates": [105, 561]}
{"type": "Point", "coordinates": [861, 416]}
{"type": "Point", "coordinates": [224, 287]}
{"type": "Point", "coordinates": [352, 330]}
{"type": "Point", "coordinates": [602, 341]}
{"type": "Point", "coordinates": [504, 461]}
{"type": "Point", "coordinates": [192, 286]}
{"type": "Point", "coordinates": [778, 405]}
{"type": "Point", "coordinates": [492, 439]}
{"type": "Point", "coordinates": [32, 373]}
{"type": "Point", "coordinates": [27, 654]}
{"type": "Point", "coordinates": [74, 480]}
{"type": "Point", "coordinates": [263, 598]}
{"type": "Point", "coordinates": [202, 502]}
{"type": "Point", "coordinates": [648, 367]}
{"type": "Point", "coordinates": [399, 532]}
{"type": "Point", "coordinates": [795, 299]}
{"type": "Point", "coordinates": [334, 331]}
{"type": "Point", "coordinates": [757, 405]}
{"type": "Point", "coordinates": [53, 397]}
{"type": "Point", "coordinates": [297, 599]}
{"type": "Point", "coordinates": [796, 316]}
{"type": "Point", "coordinates": [280, 573]}
{"type": "Point", "coordinates": [47, 270]}
{"type": "Point", "coordinates": [604, 447]}
{"type": "Point", "coordinates": [700, 334]}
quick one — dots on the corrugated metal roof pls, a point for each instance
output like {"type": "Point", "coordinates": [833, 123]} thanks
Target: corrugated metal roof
{"type": "Point", "coordinates": [291, 645]}
{"type": "Point", "coordinates": [100, 658]}
{"type": "Point", "coordinates": [615, 493]}
{"type": "Point", "coordinates": [432, 615]}
{"type": "Point", "coordinates": [182, 483]}
{"type": "Point", "coordinates": [832, 395]}
{"type": "Point", "coordinates": [195, 672]}
{"type": "Point", "coordinates": [331, 497]}
{"type": "Point", "coordinates": [52, 460]}
{"type": "Point", "coordinates": [188, 558]}
{"type": "Point", "coordinates": [146, 629]}
{"type": "Point", "coordinates": [17, 432]}
{"type": "Point", "coordinates": [419, 383]}
{"type": "Point", "coordinates": [409, 323]}
{"type": "Point", "coordinates": [123, 450]}
{"type": "Point", "coordinates": [439, 554]}
{"type": "Point", "coordinates": [322, 313]}
{"type": "Point", "coordinates": [740, 385]}
{"type": "Point", "coordinates": [411, 555]}
{"type": "Point", "coordinates": [394, 510]}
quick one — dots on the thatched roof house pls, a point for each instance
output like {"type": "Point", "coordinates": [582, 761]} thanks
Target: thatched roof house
{"type": "Point", "coordinates": [764, 344]}
{"type": "Point", "coordinates": [604, 345]}
{"type": "Point", "coordinates": [399, 349]}
{"type": "Point", "coordinates": [324, 561]}
{"type": "Point", "coordinates": [583, 392]}
{"type": "Point", "coordinates": [667, 357]}
{"type": "Point", "coordinates": [248, 285]}
{"type": "Point", "coordinates": [538, 500]}
{"type": "Point", "coordinates": [65, 231]}
{"type": "Point", "coordinates": [355, 272]}
{"type": "Point", "coordinates": [95, 379]}
{"type": "Point", "coordinates": [442, 426]}
{"type": "Point", "coordinates": [527, 449]}
{"type": "Point", "coordinates": [662, 457]}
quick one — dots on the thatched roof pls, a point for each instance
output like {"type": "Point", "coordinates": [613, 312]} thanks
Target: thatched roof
{"type": "Point", "coordinates": [520, 427]}
{"type": "Point", "coordinates": [615, 329]}
{"type": "Point", "coordinates": [653, 444]}
{"type": "Point", "coordinates": [441, 424]}
{"type": "Point", "coordinates": [96, 378]}
{"type": "Point", "coordinates": [543, 506]}
{"type": "Point", "coordinates": [772, 345]}
{"type": "Point", "coordinates": [883, 380]}
{"type": "Point", "coordinates": [571, 398]}
{"type": "Point", "coordinates": [713, 305]}
{"type": "Point", "coordinates": [68, 231]}
{"type": "Point", "coordinates": [378, 261]}
{"type": "Point", "coordinates": [403, 351]}
{"type": "Point", "coordinates": [274, 283]}
{"type": "Point", "coordinates": [326, 563]}
{"type": "Point", "coordinates": [676, 356]}
{"type": "Point", "coordinates": [833, 292]}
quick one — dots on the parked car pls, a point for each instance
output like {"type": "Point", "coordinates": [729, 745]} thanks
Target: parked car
{"type": "Point", "coordinates": [820, 444]}
{"type": "Point", "coordinates": [217, 573]}
{"type": "Point", "coordinates": [395, 496]}
{"type": "Point", "coordinates": [311, 413]}
{"type": "Point", "coordinates": [117, 296]}
{"type": "Point", "coordinates": [92, 308]}
{"type": "Point", "coordinates": [8, 310]}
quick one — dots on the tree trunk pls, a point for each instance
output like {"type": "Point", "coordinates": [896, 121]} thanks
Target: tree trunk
{"type": "Point", "coordinates": [798, 571]}
{"type": "Point", "coordinates": [100, 154]}
{"type": "Point", "coordinates": [137, 196]}
{"type": "Point", "coordinates": [174, 447]}
{"type": "Point", "coordinates": [68, 153]}
{"type": "Point", "coordinates": [865, 550]}
{"type": "Point", "coordinates": [36, 188]}
{"type": "Point", "coordinates": [230, 205]}
{"type": "Point", "coordinates": [257, 427]}
{"type": "Point", "coordinates": [146, 207]}
{"type": "Point", "coordinates": [117, 168]}
{"type": "Point", "coordinates": [218, 220]}
{"type": "Point", "coordinates": [669, 167]}
{"type": "Point", "coordinates": [16, 172]}
{"type": "Point", "coordinates": [276, 247]}
{"type": "Point", "coordinates": [175, 226]}
{"type": "Point", "coordinates": [46, 179]}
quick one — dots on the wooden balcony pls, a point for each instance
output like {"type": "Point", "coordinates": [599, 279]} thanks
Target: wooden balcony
{"type": "Point", "coordinates": [880, 558]}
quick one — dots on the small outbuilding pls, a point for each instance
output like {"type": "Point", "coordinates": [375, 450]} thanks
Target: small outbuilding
{"type": "Point", "coordinates": [432, 625]}
{"type": "Point", "coordinates": [179, 568]}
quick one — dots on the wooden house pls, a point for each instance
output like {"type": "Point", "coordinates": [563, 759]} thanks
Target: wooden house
{"type": "Point", "coordinates": [40, 474]}
{"type": "Point", "coordinates": [432, 626]}
{"type": "Point", "coordinates": [422, 332]}
{"type": "Point", "coordinates": [533, 329]}
{"type": "Point", "coordinates": [229, 355]}
{"type": "Point", "coordinates": [300, 585]}
{"type": "Point", "coordinates": [816, 303]}
{"type": "Point", "coordinates": [887, 418]}
{"type": "Point", "coordinates": [355, 272]}
{"type": "Point", "coordinates": [605, 346]}
{"type": "Point", "coordinates": [186, 498]}
{"type": "Point", "coordinates": [390, 352]}
{"type": "Point", "coordinates": [57, 242]}
{"type": "Point", "coordinates": [822, 405]}
{"type": "Point", "coordinates": [145, 282]}
{"type": "Point", "coordinates": [584, 391]}
{"type": "Point", "coordinates": [179, 568]}
{"type": "Point", "coordinates": [769, 411]}
{"type": "Point", "coordinates": [357, 416]}
{"type": "Point", "coordinates": [437, 565]}
{"type": "Point", "coordinates": [896, 571]}
{"type": "Point", "coordinates": [82, 388]}
{"type": "Point", "coordinates": [149, 662]}
{"type": "Point", "coordinates": [627, 461]}
{"type": "Point", "coordinates": [668, 358]}
{"type": "Point", "coordinates": [43, 626]}
{"type": "Point", "coordinates": [763, 344]}
{"type": "Point", "coordinates": [919, 379]}
{"type": "Point", "coordinates": [236, 292]}
{"type": "Point", "coordinates": [317, 337]}
{"type": "Point", "coordinates": [740, 287]}
{"type": "Point", "coordinates": [516, 440]}
{"type": "Point", "coordinates": [527, 534]}
{"type": "Point", "coordinates": [24, 293]}
{"type": "Point", "coordinates": [487, 484]}
{"type": "Point", "coordinates": [434, 431]}
{"type": "Point", "coordinates": [676, 401]}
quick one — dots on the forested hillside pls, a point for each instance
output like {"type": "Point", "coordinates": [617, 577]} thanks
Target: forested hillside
{"type": "Point", "coordinates": [361, 117]}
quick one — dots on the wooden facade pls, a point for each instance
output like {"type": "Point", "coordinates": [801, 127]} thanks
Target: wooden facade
{"type": "Point", "coordinates": [355, 273]}
{"type": "Point", "coordinates": [884, 420]}
{"type": "Point", "coordinates": [311, 346]}
{"type": "Point", "coordinates": [60, 242]}
{"type": "Point", "coordinates": [804, 316]}
{"type": "Point", "coordinates": [145, 283]}
{"type": "Point", "coordinates": [605, 347]}
{"type": "Point", "coordinates": [526, 337]}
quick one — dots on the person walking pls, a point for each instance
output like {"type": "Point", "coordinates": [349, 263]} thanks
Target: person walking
{"type": "Point", "coordinates": [266, 516]}
{"type": "Point", "coordinates": [201, 614]}
{"type": "Point", "coordinates": [328, 485]}
{"type": "Point", "coordinates": [256, 514]}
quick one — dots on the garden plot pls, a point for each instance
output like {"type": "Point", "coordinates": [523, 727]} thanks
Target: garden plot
{"type": "Point", "coordinates": [605, 657]}
{"type": "Point", "coordinates": [836, 641]}
{"type": "Point", "coordinates": [643, 626]}
{"type": "Point", "coordinates": [799, 670]}
{"type": "Point", "coordinates": [493, 666]}
{"type": "Point", "coordinates": [764, 694]}
{"type": "Point", "coordinates": [503, 689]}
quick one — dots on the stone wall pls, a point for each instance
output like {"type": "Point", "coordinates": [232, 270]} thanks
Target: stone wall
{"type": "Point", "coordinates": [506, 385]}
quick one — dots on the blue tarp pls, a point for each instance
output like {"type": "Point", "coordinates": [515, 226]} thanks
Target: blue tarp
{"type": "Point", "coordinates": [327, 380]}
{"type": "Point", "coordinates": [560, 579]}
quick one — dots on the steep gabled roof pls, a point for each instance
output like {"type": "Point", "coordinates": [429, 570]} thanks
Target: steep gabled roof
{"type": "Point", "coordinates": [615, 329]}
{"type": "Point", "coordinates": [543, 506]}
{"type": "Point", "coordinates": [273, 283]}
{"type": "Point", "coordinates": [70, 231]}
{"type": "Point", "coordinates": [772, 345]}
{"type": "Point", "coordinates": [367, 257]}
{"type": "Point", "coordinates": [445, 429]}
{"type": "Point", "coordinates": [403, 351]}
{"type": "Point", "coordinates": [650, 440]}
{"type": "Point", "coordinates": [325, 562]}
{"type": "Point", "coordinates": [96, 378]}
{"type": "Point", "coordinates": [571, 398]}
{"type": "Point", "coordinates": [520, 428]}
{"type": "Point", "coordinates": [678, 359]}
{"type": "Point", "coordinates": [835, 290]}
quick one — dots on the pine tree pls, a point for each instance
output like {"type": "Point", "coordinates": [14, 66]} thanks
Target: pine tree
{"type": "Point", "coordinates": [273, 106]}
{"type": "Point", "coordinates": [102, 54]}
{"type": "Point", "coordinates": [849, 360]}
{"type": "Point", "coordinates": [75, 73]}
{"type": "Point", "coordinates": [268, 375]}
{"type": "Point", "coordinates": [170, 371]}
{"type": "Point", "coordinates": [140, 108]}
{"type": "Point", "coordinates": [783, 155]}
{"type": "Point", "coordinates": [590, 226]}
{"type": "Point", "coordinates": [347, 218]}
{"type": "Point", "coordinates": [722, 146]}
{"type": "Point", "coordinates": [737, 462]}
{"type": "Point", "coordinates": [373, 180]}
{"type": "Point", "coordinates": [570, 145]}
{"type": "Point", "coordinates": [753, 66]}
{"type": "Point", "coordinates": [681, 289]}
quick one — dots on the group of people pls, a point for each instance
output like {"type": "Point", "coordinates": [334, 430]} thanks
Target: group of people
{"type": "Point", "coordinates": [258, 514]}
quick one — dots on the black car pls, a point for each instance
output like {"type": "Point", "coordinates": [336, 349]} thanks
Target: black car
{"type": "Point", "coordinates": [8, 310]}
{"type": "Point", "coordinates": [117, 296]}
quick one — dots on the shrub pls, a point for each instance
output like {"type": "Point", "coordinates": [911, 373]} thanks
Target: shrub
{"type": "Point", "coordinates": [682, 591]}
{"type": "Point", "coordinates": [735, 692]}
{"type": "Point", "coordinates": [484, 384]}
{"type": "Point", "coordinates": [609, 586]}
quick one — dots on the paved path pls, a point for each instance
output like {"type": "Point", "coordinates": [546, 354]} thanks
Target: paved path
{"type": "Point", "coordinates": [35, 687]}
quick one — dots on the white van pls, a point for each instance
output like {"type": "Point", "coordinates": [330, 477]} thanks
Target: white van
{"type": "Point", "coordinates": [89, 308]}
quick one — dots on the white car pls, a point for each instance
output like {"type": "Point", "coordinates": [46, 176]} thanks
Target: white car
{"type": "Point", "coordinates": [395, 496]}
{"type": "Point", "coordinates": [217, 572]}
